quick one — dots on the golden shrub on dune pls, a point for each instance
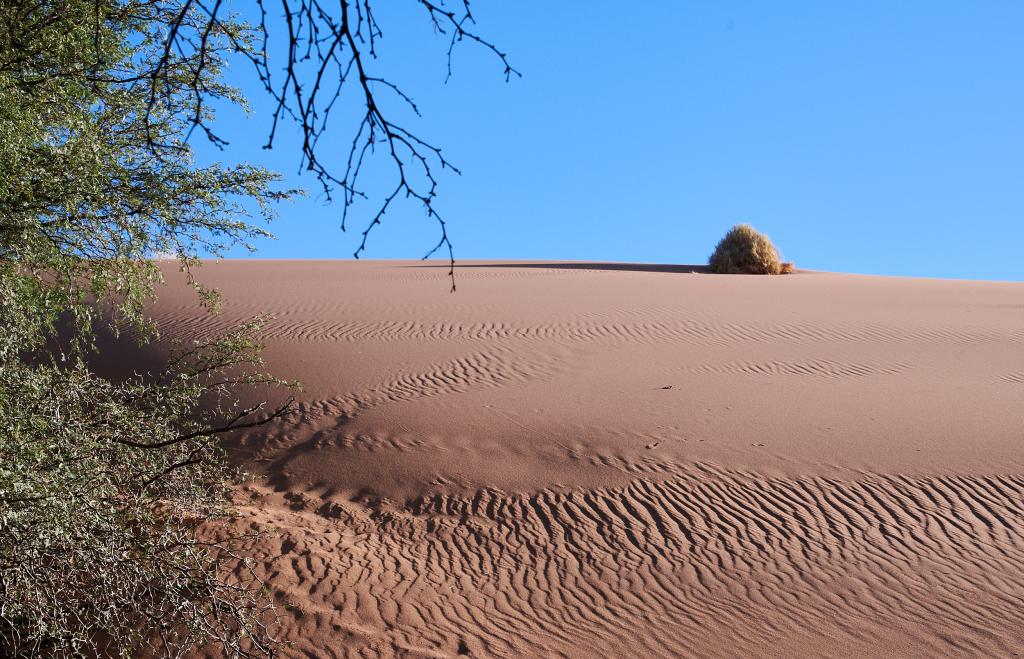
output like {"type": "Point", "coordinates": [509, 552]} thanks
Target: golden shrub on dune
{"type": "Point", "coordinates": [746, 251]}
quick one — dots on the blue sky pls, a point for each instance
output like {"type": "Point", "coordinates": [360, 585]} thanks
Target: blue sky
{"type": "Point", "coordinates": [872, 137]}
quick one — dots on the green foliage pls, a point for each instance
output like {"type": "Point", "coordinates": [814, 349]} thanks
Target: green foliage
{"type": "Point", "coordinates": [95, 169]}
{"type": "Point", "coordinates": [746, 251]}
{"type": "Point", "coordinates": [104, 485]}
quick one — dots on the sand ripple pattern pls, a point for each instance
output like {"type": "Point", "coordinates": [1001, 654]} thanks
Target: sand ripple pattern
{"type": "Point", "coordinates": [653, 332]}
{"type": "Point", "coordinates": [659, 567]}
{"type": "Point", "coordinates": [485, 369]}
{"type": "Point", "coordinates": [814, 368]}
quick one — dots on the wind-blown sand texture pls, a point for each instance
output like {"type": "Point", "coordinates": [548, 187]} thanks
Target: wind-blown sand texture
{"type": "Point", "coordinates": [627, 460]}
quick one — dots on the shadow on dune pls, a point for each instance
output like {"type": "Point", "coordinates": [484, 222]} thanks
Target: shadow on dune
{"type": "Point", "coordinates": [577, 265]}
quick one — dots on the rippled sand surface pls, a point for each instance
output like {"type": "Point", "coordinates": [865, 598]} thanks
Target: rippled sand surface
{"type": "Point", "coordinates": [573, 459]}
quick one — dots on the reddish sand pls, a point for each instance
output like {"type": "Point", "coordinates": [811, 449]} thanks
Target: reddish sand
{"type": "Point", "coordinates": [625, 460]}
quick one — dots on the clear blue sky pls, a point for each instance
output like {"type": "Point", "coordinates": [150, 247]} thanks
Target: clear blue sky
{"type": "Point", "coordinates": [874, 137]}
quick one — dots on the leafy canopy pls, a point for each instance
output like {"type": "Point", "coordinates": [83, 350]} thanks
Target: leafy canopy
{"type": "Point", "coordinates": [104, 486]}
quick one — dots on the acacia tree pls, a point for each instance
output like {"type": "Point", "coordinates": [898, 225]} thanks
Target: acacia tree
{"type": "Point", "coordinates": [104, 484]}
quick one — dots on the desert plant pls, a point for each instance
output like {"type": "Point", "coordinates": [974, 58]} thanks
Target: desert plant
{"type": "Point", "coordinates": [105, 489]}
{"type": "Point", "coordinates": [104, 485]}
{"type": "Point", "coordinates": [746, 251]}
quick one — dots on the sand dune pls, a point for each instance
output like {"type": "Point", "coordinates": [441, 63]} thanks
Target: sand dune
{"type": "Point", "coordinates": [570, 459]}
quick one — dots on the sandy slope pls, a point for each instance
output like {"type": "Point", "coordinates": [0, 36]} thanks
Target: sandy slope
{"type": "Point", "coordinates": [601, 460]}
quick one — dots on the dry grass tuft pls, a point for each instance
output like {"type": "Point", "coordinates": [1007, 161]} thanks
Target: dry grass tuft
{"type": "Point", "coordinates": [746, 251]}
